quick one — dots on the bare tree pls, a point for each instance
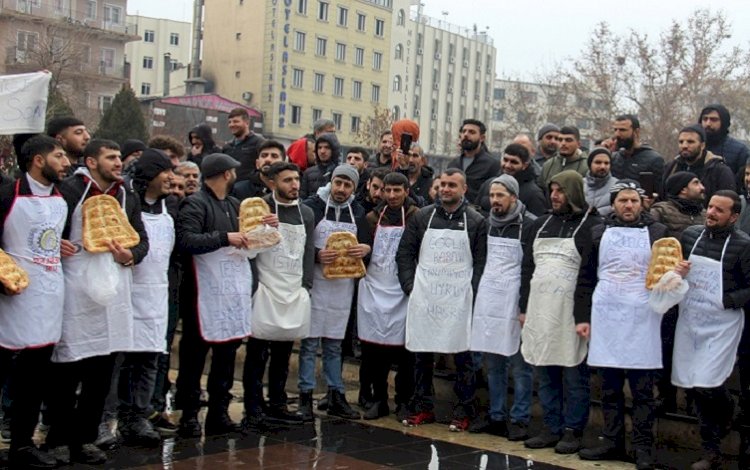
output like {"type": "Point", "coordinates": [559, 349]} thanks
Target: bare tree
{"type": "Point", "coordinates": [373, 126]}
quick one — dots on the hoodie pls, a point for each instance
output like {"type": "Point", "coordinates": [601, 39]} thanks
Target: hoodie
{"type": "Point", "coordinates": [320, 174]}
{"type": "Point", "coordinates": [735, 153]}
{"type": "Point", "coordinates": [205, 134]}
{"type": "Point", "coordinates": [710, 169]}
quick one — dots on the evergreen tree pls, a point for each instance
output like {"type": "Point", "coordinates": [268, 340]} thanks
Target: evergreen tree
{"type": "Point", "coordinates": [123, 119]}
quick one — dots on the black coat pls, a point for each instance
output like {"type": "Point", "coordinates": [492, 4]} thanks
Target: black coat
{"type": "Point", "coordinates": [644, 159]}
{"type": "Point", "coordinates": [482, 167]}
{"type": "Point", "coordinates": [246, 152]}
{"type": "Point", "coordinates": [529, 193]}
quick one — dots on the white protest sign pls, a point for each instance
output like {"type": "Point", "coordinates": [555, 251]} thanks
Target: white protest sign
{"type": "Point", "coordinates": [23, 102]}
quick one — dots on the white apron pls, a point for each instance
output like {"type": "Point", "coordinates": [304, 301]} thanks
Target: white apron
{"type": "Point", "coordinates": [330, 298]}
{"type": "Point", "coordinates": [439, 313]}
{"type": "Point", "coordinates": [90, 329]}
{"type": "Point", "coordinates": [549, 337]}
{"type": "Point", "coordinates": [151, 286]}
{"type": "Point", "coordinates": [625, 331]}
{"type": "Point", "coordinates": [31, 236]}
{"type": "Point", "coordinates": [495, 327]}
{"type": "Point", "coordinates": [381, 303]}
{"type": "Point", "coordinates": [281, 306]}
{"type": "Point", "coordinates": [707, 335]}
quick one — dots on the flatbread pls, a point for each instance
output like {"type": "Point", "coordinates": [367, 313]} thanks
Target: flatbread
{"type": "Point", "coordinates": [344, 266]}
{"type": "Point", "coordinates": [666, 253]}
{"type": "Point", "coordinates": [104, 221]}
{"type": "Point", "coordinates": [252, 211]}
{"type": "Point", "coordinates": [12, 276]}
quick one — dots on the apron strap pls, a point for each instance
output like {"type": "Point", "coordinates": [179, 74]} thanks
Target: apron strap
{"type": "Point", "coordinates": [542, 228]}
{"type": "Point", "coordinates": [585, 216]}
{"type": "Point", "coordinates": [429, 222]}
{"type": "Point", "coordinates": [723, 250]}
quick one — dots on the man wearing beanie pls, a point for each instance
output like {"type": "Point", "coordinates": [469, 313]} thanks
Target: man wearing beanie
{"type": "Point", "coordinates": [633, 157]}
{"type": "Point", "coordinates": [710, 169]}
{"type": "Point", "coordinates": [599, 181]}
{"type": "Point", "coordinates": [548, 144]}
{"type": "Point", "coordinates": [495, 327]}
{"type": "Point", "coordinates": [335, 211]}
{"type": "Point", "coordinates": [131, 151]}
{"type": "Point", "coordinates": [611, 307]}
{"type": "Point", "coordinates": [327, 158]}
{"type": "Point", "coordinates": [715, 121]}
{"type": "Point", "coordinates": [551, 264]}
{"type": "Point", "coordinates": [570, 157]}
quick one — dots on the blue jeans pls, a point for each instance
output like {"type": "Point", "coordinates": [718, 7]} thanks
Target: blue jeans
{"type": "Point", "coordinates": [331, 363]}
{"type": "Point", "coordinates": [497, 380]}
{"type": "Point", "coordinates": [565, 397]}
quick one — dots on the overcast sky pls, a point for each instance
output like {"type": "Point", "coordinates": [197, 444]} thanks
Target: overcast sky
{"type": "Point", "coordinates": [531, 35]}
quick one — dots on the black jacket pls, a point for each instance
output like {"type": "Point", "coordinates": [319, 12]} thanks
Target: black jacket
{"type": "Point", "coordinates": [407, 256]}
{"type": "Point", "coordinates": [587, 276]}
{"type": "Point", "coordinates": [205, 134]}
{"type": "Point", "coordinates": [291, 215]}
{"type": "Point", "coordinates": [252, 187]}
{"type": "Point", "coordinates": [644, 159]}
{"type": "Point", "coordinates": [246, 152]}
{"type": "Point", "coordinates": [420, 190]}
{"type": "Point", "coordinates": [204, 222]}
{"type": "Point", "coordinates": [529, 193]}
{"type": "Point", "coordinates": [710, 169]}
{"type": "Point", "coordinates": [734, 152]}
{"type": "Point", "coordinates": [480, 168]}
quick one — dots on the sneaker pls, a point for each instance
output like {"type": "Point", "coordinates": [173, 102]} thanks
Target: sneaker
{"type": "Point", "coordinates": [106, 439]}
{"type": "Point", "coordinates": [189, 427]}
{"type": "Point", "coordinates": [605, 449]}
{"type": "Point", "coordinates": [546, 438]}
{"type": "Point", "coordinates": [88, 454]}
{"type": "Point", "coordinates": [517, 431]}
{"type": "Point", "coordinates": [217, 424]}
{"type": "Point", "coordinates": [459, 424]}
{"type": "Point", "coordinates": [139, 432]}
{"type": "Point", "coordinates": [161, 423]}
{"type": "Point", "coordinates": [569, 443]}
{"type": "Point", "coordinates": [417, 419]}
{"type": "Point", "coordinates": [31, 457]}
{"type": "Point", "coordinates": [402, 412]}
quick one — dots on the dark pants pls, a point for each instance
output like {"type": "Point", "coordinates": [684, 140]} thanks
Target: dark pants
{"type": "Point", "coordinates": [715, 408]}
{"type": "Point", "coordinates": [377, 360]}
{"type": "Point", "coordinates": [613, 405]}
{"type": "Point", "coordinates": [30, 372]}
{"type": "Point", "coordinates": [565, 396]}
{"type": "Point", "coordinates": [193, 351]}
{"type": "Point", "coordinates": [667, 391]}
{"type": "Point", "coordinates": [255, 367]}
{"type": "Point", "coordinates": [74, 420]}
{"type": "Point", "coordinates": [464, 387]}
{"type": "Point", "coordinates": [162, 384]}
{"type": "Point", "coordinates": [135, 386]}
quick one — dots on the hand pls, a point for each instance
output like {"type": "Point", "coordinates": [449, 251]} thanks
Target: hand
{"type": "Point", "coordinates": [403, 160]}
{"type": "Point", "coordinates": [67, 248]}
{"type": "Point", "coordinates": [359, 251]}
{"type": "Point", "coordinates": [271, 219]}
{"type": "Point", "coordinates": [610, 144]}
{"type": "Point", "coordinates": [522, 319]}
{"type": "Point", "coordinates": [327, 256]}
{"type": "Point", "coordinates": [196, 149]}
{"type": "Point", "coordinates": [682, 268]}
{"type": "Point", "coordinates": [649, 201]}
{"type": "Point", "coordinates": [121, 255]}
{"type": "Point", "coordinates": [237, 239]}
{"type": "Point", "coordinates": [583, 330]}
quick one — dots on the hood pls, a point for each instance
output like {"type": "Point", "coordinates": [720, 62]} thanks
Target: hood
{"type": "Point", "coordinates": [726, 118]}
{"type": "Point", "coordinates": [205, 134]}
{"type": "Point", "coordinates": [572, 183]}
{"type": "Point", "coordinates": [643, 221]}
{"type": "Point", "coordinates": [335, 148]}
{"type": "Point", "coordinates": [525, 175]}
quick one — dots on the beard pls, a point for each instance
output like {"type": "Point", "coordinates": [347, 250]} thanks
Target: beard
{"type": "Point", "coordinates": [468, 145]}
{"type": "Point", "coordinates": [50, 175]}
{"type": "Point", "coordinates": [713, 137]}
{"type": "Point", "coordinates": [626, 143]}
{"type": "Point", "coordinates": [287, 195]}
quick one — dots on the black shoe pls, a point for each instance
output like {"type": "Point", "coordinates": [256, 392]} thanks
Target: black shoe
{"type": "Point", "coordinates": [546, 438]}
{"type": "Point", "coordinates": [106, 439]}
{"type": "Point", "coordinates": [139, 432]}
{"type": "Point", "coordinates": [517, 431]}
{"type": "Point", "coordinates": [88, 454]}
{"type": "Point", "coordinates": [365, 400]}
{"type": "Point", "coordinates": [402, 412]}
{"type": "Point", "coordinates": [497, 428]}
{"type": "Point", "coordinates": [569, 443]}
{"type": "Point", "coordinates": [219, 423]}
{"type": "Point", "coordinates": [338, 406]}
{"type": "Point", "coordinates": [479, 423]}
{"type": "Point", "coordinates": [377, 410]}
{"type": "Point", "coordinates": [644, 459]}
{"type": "Point", "coordinates": [254, 421]}
{"type": "Point", "coordinates": [279, 414]}
{"type": "Point", "coordinates": [189, 427]}
{"type": "Point", "coordinates": [31, 457]}
{"type": "Point", "coordinates": [162, 424]}
{"type": "Point", "coordinates": [323, 402]}
{"type": "Point", "coordinates": [304, 407]}
{"type": "Point", "coordinates": [605, 449]}
{"type": "Point", "coordinates": [60, 453]}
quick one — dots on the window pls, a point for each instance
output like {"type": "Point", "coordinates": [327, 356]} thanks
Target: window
{"type": "Point", "coordinates": [397, 83]}
{"type": "Point", "coordinates": [356, 90]}
{"type": "Point", "coordinates": [361, 21]}
{"type": "Point", "coordinates": [377, 60]}
{"type": "Point", "coordinates": [379, 28]}
{"type": "Point", "coordinates": [396, 113]}
{"type": "Point", "coordinates": [498, 94]}
{"type": "Point", "coordinates": [298, 76]}
{"type": "Point", "coordinates": [148, 36]}
{"type": "Point", "coordinates": [91, 9]}
{"type": "Point", "coordinates": [299, 41]}
{"type": "Point", "coordinates": [302, 7]}
{"type": "Point", "coordinates": [320, 46]}
{"type": "Point", "coordinates": [112, 14]}
{"type": "Point", "coordinates": [359, 56]}
{"type": "Point", "coordinates": [317, 114]}
{"type": "Point", "coordinates": [338, 86]}
{"type": "Point", "coordinates": [108, 57]}
{"type": "Point", "coordinates": [174, 39]}
{"type": "Point", "coordinates": [399, 52]}
{"type": "Point", "coordinates": [343, 16]}
{"type": "Point", "coordinates": [323, 11]}
{"type": "Point", "coordinates": [145, 88]}
{"type": "Point", "coordinates": [296, 117]}
{"type": "Point", "coordinates": [86, 54]}
{"type": "Point", "coordinates": [356, 121]}
{"type": "Point", "coordinates": [376, 93]}
{"type": "Point", "coordinates": [27, 41]}
{"type": "Point", "coordinates": [59, 6]}
{"type": "Point", "coordinates": [340, 52]}
{"type": "Point", "coordinates": [400, 19]}
{"type": "Point", "coordinates": [337, 120]}
{"type": "Point", "coordinates": [105, 102]}
{"type": "Point", "coordinates": [148, 62]}
{"type": "Point", "coordinates": [319, 82]}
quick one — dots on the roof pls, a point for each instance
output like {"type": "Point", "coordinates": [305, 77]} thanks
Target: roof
{"type": "Point", "coordinates": [210, 101]}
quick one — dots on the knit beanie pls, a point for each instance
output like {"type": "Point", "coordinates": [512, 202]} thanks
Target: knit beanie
{"type": "Point", "coordinates": [677, 181]}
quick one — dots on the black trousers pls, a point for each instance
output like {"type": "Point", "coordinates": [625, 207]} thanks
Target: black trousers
{"type": "Point", "coordinates": [162, 384]}
{"type": "Point", "coordinates": [30, 371]}
{"type": "Point", "coordinates": [377, 360]}
{"type": "Point", "coordinates": [715, 408]}
{"type": "Point", "coordinates": [74, 419]}
{"type": "Point", "coordinates": [667, 391]}
{"type": "Point", "coordinates": [464, 387]}
{"type": "Point", "coordinates": [135, 386]}
{"type": "Point", "coordinates": [613, 405]}
{"type": "Point", "coordinates": [258, 352]}
{"type": "Point", "coordinates": [193, 351]}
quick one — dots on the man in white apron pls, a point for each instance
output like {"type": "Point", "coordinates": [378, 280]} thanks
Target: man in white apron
{"type": "Point", "coordinates": [381, 305]}
{"type": "Point", "coordinates": [281, 305]}
{"type": "Point", "coordinates": [72, 134]}
{"type": "Point", "coordinates": [335, 211]}
{"type": "Point", "coordinates": [709, 327]}
{"type": "Point", "coordinates": [32, 218]}
{"type": "Point", "coordinates": [440, 260]}
{"type": "Point", "coordinates": [218, 284]}
{"type": "Point", "coordinates": [625, 332]}
{"type": "Point", "coordinates": [552, 259]}
{"type": "Point", "coordinates": [495, 327]}
{"type": "Point", "coordinates": [92, 331]}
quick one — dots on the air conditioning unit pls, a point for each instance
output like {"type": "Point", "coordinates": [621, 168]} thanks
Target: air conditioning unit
{"type": "Point", "coordinates": [479, 67]}
{"type": "Point", "coordinates": [437, 86]}
{"type": "Point", "coordinates": [419, 51]}
{"type": "Point", "coordinates": [463, 92]}
{"type": "Point", "coordinates": [476, 96]}
{"type": "Point", "coordinates": [448, 118]}
{"type": "Point", "coordinates": [416, 113]}
{"type": "Point", "coordinates": [450, 89]}
{"type": "Point", "coordinates": [247, 95]}
{"type": "Point", "coordinates": [437, 55]}
{"type": "Point", "coordinates": [434, 117]}
{"type": "Point", "coordinates": [466, 63]}
{"type": "Point", "coordinates": [419, 82]}
{"type": "Point", "coordinates": [452, 59]}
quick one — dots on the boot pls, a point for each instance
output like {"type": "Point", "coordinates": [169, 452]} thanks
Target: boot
{"type": "Point", "coordinates": [377, 410]}
{"type": "Point", "coordinates": [304, 409]}
{"type": "Point", "coordinates": [323, 402]}
{"type": "Point", "coordinates": [218, 422]}
{"type": "Point", "coordinates": [338, 406]}
{"type": "Point", "coordinates": [189, 427]}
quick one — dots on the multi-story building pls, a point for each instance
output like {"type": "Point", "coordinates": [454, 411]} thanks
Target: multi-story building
{"type": "Point", "coordinates": [301, 60]}
{"type": "Point", "coordinates": [402, 58]}
{"type": "Point", "coordinates": [162, 54]}
{"type": "Point", "coordinates": [82, 42]}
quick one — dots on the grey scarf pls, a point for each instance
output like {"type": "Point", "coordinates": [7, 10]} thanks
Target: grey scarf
{"type": "Point", "coordinates": [500, 221]}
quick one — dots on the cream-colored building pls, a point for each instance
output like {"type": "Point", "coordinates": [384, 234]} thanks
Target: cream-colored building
{"type": "Point", "coordinates": [164, 45]}
{"type": "Point", "coordinates": [402, 58]}
{"type": "Point", "coordinates": [301, 62]}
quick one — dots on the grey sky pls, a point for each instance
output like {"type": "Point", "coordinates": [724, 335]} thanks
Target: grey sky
{"type": "Point", "coordinates": [531, 36]}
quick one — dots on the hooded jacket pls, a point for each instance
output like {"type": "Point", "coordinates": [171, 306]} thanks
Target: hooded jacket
{"type": "Point", "coordinates": [710, 169]}
{"type": "Point", "coordinates": [320, 174]}
{"type": "Point", "coordinates": [597, 192]}
{"type": "Point", "coordinates": [297, 151]}
{"type": "Point", "coordinates": [205, 134]}
{"type": "Point", "coordinates": [420, 190]}
{"type": "Point", "coordinates": [735, 153]}
{"type": "Point", "coordinates": [558, 163]}
{"type": "Point", "coordinates": [643, 160]}
{"type": "Point", "coordinates": [529, 193]}
{"type": "Point", "coordinates": [479, 169]}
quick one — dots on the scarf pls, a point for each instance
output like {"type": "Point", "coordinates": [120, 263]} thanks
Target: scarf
{"type": "Point", "coordinates": [687, 206]}
{"type": "Point", "coordinates": [500, 221]}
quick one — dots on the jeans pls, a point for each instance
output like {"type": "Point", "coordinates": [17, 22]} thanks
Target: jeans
{"type": "Point", "coordinates": [613, 405]}
{"type": "Point", "coordinates": [258, 352]}
{"type": "Point", "coordinates": [715, 408]}
{"type": "Point", "coordinates": [331, 363]}
{"type": "Point", "coordinates": [135, 386]}
{"type": "Point", "coordinates": [497, 380]}
{"type": "Point", "coordinates": [565, 396]}
{"type": "Point", "coordinates": [464, 387]}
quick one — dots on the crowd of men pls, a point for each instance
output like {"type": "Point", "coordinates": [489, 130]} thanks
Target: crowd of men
{"type": "Point", "coordinates": [531, 264]}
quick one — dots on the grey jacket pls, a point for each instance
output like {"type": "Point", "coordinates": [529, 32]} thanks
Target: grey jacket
{"type": "Point", "coordinates": [597, 192]}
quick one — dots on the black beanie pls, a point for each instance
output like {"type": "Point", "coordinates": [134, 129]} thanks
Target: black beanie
{"type": "Point", "coordinates": [151, 163]}
{"type": "Point", "coordinates": [677, 181]}
{"type": "Point", "coordinates": [598, 151]}
{"type": "Point", "coordinates": [697, 129]}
